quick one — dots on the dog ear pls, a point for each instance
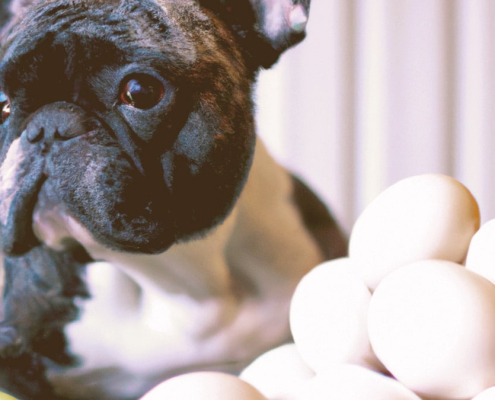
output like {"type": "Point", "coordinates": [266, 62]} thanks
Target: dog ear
{"type": "Point", "coordinates": [264, 28]}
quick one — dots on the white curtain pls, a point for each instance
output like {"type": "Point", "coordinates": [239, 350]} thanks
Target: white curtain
{"type": "Point", "coordinates": [385, 89]}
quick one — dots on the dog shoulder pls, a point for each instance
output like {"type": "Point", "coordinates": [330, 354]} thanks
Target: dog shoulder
{"type": "Point", "coordinates": [274, 232]}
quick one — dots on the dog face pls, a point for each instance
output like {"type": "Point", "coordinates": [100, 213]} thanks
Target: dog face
{"type": "Point", "coordinates": [140, 132]}
{"type": "Point", "coordinates": [135, 116]}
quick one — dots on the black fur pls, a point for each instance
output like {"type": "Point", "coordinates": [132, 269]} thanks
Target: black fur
{"type": "Point", "coordinates": [41, 289]}
{"type": "Point", "coordinates": [319, 221]}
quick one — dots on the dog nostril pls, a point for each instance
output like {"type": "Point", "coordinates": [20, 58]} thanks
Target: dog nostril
{"type": "Point", "coordinates": [59, 136]}
{"type": "Point", "coordinates": [57, 122]}
{"type": "Point", "coordinates": [35, 135]}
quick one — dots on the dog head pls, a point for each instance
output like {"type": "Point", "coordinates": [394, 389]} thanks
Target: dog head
{"type": "Point", "coordinates": [135, 115]}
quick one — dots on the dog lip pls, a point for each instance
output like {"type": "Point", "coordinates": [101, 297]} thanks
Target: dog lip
{"type": "Point", "coordinates": [17, 234]}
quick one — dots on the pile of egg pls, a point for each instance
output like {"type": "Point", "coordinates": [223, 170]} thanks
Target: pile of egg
{"type": "Point", "coordinates": [410, 314]}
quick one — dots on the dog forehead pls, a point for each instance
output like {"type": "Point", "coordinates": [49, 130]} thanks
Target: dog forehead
{"type": "Point", "coordinates": [97, 30]}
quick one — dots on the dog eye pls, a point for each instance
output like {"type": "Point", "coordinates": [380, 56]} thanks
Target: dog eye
{"type": "Point", "coordinates": [4, 107]}
{"type": "Point", "coordinates": [142, 92]}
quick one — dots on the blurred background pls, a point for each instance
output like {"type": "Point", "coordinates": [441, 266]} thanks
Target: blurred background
{"type": "Point", "coordinates": [381, 90]}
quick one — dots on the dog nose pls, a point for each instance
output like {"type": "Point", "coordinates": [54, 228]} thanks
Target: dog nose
{"type": "Point", "coordinates": [56, 122]}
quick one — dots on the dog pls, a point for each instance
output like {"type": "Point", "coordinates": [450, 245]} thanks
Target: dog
{"type": "Point", "coordinates": [146, 230]}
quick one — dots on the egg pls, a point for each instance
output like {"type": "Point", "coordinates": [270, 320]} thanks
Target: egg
{"type": "Point", "coordinates": [481, 252]}
{"type": "Point", "coordinates": [432, 324]}
{"type": "Point", "coordinates": [428, 216]}
{"type": "Point", "coordinates": [352, 382]}
{"type": "Point", "coordinates": [278, 373]}
{"type": "Point", "coordinates": [204, 386]}
{"type": "Point", "coordinates": [488, 394]}
{"type": "Point", "coordinates": [328, 317]}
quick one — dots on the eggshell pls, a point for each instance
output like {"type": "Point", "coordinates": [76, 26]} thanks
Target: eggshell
{"type": "Point", "coordinates": [204, 386]}
{"type": "Point", "coordinates": [432, 324]}
{"type": "Point", "coordinates": [488, 394]}
{"type": "Point", "coordinates": [328, 317]}
{"type": "Point", "coordinates": [422, 217]}
{"type": "Point", "coordinates": [351, 382]}
{"type": "Point", "coordinates": [278, 373]}
{"type": "Point", "coordinates": [481, 252]}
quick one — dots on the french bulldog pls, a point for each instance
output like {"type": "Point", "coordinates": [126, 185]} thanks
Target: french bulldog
{"type": "Point", "coordinates": [146, 231]}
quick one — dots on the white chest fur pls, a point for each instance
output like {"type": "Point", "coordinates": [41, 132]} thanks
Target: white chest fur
{"type": "Point", "coordinates": [213, 303]}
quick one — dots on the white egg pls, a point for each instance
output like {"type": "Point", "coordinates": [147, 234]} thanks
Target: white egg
{"type": "Point", "coordinates": [481, 253]}
{"type": "Point", "coordinates": [432, 324]}
{"type": "Point", "coordinates": [204, 386]}
{"type": "Point", "coordinates": [488, 394]}
{"type": "Point", "coordinates": [278, 373]}
{"type": "Point", "coordinates": [328, 317]}
{"type": "Point", "coordinates": [351, 382]}
{"type": "Point", "coordinates": [421, 217]}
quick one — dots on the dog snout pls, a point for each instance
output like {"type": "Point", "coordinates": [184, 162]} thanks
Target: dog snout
{"type": "Point", "coordinates": [56, 122]}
